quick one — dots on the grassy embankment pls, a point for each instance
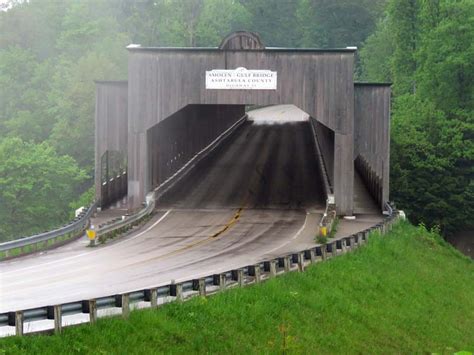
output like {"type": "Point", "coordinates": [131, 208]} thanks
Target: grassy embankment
{"type": "Point", "coordinates": [407, 292]}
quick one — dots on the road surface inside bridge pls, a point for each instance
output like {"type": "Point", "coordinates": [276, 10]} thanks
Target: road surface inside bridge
{"type": "Point", "coordinates": [257, 195]}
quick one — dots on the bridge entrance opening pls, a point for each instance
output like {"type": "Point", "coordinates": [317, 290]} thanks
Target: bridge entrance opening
{"type": "Point", "coordinates": [268, 161]}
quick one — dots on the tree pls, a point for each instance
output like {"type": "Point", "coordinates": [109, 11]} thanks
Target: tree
{"type": "Point", "coordinates": [432, 134]}
{"type": "Point", "coordinates": [217, 19]}
{"type": "Point", "coordinates": [311, 33]}
{"type": "Point", "coordinates": [431, 167]}
{"type": "Point", "coordinates": [403, 25]}
{"type": "Point", "coordinates": [445, 55]}
{"type": "Point", "coordinates": [345, 23]}
{"type": "Point", "coordinates": [274, 20]}
{"type": "Point", "coordinates": [376, 53]}
{"type": "Point", "coordinates": [37, 185]}
{"type": "Point", "coordinates": [24, 83]}
{"type": "Point", "coordinates": [72, 99]}
{"type": "Point", "coordinates": [33, 26]}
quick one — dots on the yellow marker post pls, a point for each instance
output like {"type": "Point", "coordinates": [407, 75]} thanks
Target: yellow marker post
{"type": "Point", "coordinates": [323, 231]}
{"type": "Point", "coordinates": [91, 234]}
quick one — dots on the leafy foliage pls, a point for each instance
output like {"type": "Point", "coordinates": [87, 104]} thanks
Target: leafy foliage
{"type": "Point", "coordinates": [430, 62]}
{"type": "Point", "coordinates": [37, 184]}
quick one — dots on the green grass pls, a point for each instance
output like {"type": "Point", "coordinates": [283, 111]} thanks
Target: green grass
{"type": "Point", "coordinates": [407, 292]}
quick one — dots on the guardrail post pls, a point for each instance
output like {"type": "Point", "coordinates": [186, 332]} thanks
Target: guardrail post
{"type": "Point", "coordinates": [273, 271]}
{"type": "Point", "coordinates": [222, 282]}
{"type": "Point", "coordinates": [92, 311]}
{"type": "Point", "coordinates": [300, 257]}
{"type": "Point", "coordinates": [54, 313]}
{"type": "Point", "coordinates": [240, 277]}
{"type": "Point", "coordinates": [153, 297]}
{"type": "Point", "coordinates": [286, 263]}
{"type": "Point", "coordinates": [179, 292]}
{"type": "Point", "coordinates": [58, 319]}
{"type": "Point", "coordinates": [125, 305]}
{"type": "Point", "coordinates": [19, 320]}
{"type": "Point", "coordinates": [202, 287]}
{"type": "Point", "coordinates": [257, 273]}
{"type": "Point", "coordinates": [90, 307]}
{"type": "Point", "coordinates": [366, 235]}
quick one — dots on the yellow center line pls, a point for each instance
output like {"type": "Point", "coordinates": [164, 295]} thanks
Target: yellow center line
{"type": "Point", "coordinates": [233, 220]}
{"type": "Point", "coordinates": [224, 228]}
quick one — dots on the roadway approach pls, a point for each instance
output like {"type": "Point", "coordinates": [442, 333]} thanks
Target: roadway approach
{"type": "Point", "coordinates": [257, 195]}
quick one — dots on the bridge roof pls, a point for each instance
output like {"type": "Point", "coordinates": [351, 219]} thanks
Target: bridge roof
{"type": "Point", "coordinates": [139, 48]}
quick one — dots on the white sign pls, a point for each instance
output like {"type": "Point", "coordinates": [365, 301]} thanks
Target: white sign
{"type": "Point", "coordinates": [241, 79]}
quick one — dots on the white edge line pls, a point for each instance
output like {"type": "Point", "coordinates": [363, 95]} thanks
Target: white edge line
{"type": "Point", "coordinates": [93, 251]}
{"type": "Point", "coordinates": [292, 238]}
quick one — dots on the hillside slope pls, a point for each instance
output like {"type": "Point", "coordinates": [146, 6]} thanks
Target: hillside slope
{"type": "Point", "coordinates": [406, 292]}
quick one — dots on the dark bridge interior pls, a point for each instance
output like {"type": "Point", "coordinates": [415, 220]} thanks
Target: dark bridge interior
{"type": "Point", "coordinates": [262, 165]}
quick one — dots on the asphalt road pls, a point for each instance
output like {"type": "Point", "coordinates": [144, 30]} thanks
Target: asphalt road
{"type": "Point", "coordinates": [258, 195]}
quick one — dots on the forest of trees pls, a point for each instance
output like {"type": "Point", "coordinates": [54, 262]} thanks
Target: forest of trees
{"type": "Point", "coordinates": [426, 48]}
{"type": "Point", "coordinates": [52, 51]}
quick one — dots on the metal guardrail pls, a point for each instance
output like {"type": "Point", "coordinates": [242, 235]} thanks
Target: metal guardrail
{"type": "Point", "coordinates": [321, 165]}
{"type": "Point", "coordinates": [201, 286]}
{"type": "Point", "coordinates": [105, 231]}
{"type": "Point", "coordinates": [329, 215]}
{"type": "Point", "coordinates": [388, 208]}
{"type": "Point", "coordinates": [79, 224]}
